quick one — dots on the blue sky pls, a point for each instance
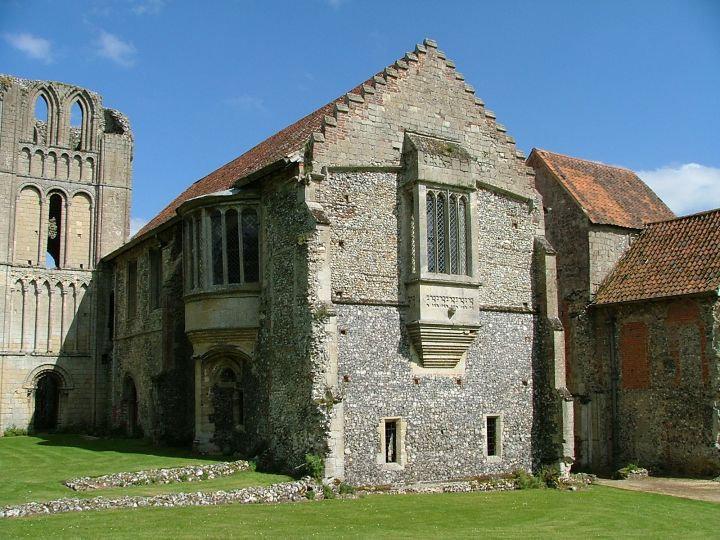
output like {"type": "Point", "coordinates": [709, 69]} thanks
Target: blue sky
{"type": "Point", "coordinates": [629, 83]}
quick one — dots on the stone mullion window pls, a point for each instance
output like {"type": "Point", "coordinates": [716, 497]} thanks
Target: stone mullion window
{"type": "Point", "coordinates": [431, 232]}
{"type": "Point", "coordinates": [447, 224]}
{"type": "Point", "coordinates": [233, 248]}
{"type": "Point", "coordinates": [190, 257]}
{"type": "Point", "coordinates": [250, 251]}
{"type": "Point", "coordinates": [453, 233]}
{"type": "Point", "coordinates": [199, 252]}
{"type": "Point", "coordinates": [463, 227]}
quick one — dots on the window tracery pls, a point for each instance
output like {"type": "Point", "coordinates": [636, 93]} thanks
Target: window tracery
{"type": "Point", "coordinates": [447, 224]}
{"type": "Point", "coordinates": [225, 241]}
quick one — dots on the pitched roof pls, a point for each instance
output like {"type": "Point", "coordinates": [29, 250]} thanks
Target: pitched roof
{"type": "Point", "coordinates": [670, 258]}
{"type": "Point", "coordinates": [607, 195]}
{"type": "Point", "coordinates": [284, 143]}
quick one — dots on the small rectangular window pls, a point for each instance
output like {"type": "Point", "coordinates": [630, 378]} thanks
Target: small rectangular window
{"type": "Point", "coordinates": [131, 289]}
{"type": "Point", "coordinates": [391, 446]}
{"type": "Point", "coordinates": [492, 430]}
{"type": "Point", "coordinates": [155, 278]}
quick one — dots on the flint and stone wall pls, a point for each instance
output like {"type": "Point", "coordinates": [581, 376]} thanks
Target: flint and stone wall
{"type": "Point", "coordinates": [668, 383]}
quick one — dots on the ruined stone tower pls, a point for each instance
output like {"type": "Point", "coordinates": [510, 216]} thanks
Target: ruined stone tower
{"type": "Point", "coordinates": [65, 184]}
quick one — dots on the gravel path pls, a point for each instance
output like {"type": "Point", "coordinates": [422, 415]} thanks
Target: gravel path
{"type": "Point", "coordinates": [701, 490]}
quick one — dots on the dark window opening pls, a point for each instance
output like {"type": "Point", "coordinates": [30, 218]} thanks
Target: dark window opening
{"type": "Point", "coordinates": [492, 436]}
{"type": "Point", "coordinates": [131, 289]}
{"type": "Point", "coordinates": [54, 230]}
{"type": "Point", "coordinates": [251, 254]}
{"type": "Point", "coordinates": [190, 251]}
{"type": "Point", "coordinates": [216, 246]}
{"type": "Point", "coordinates": [232, 246]}
{"type": "Point", "coordinates": [391, 441]}
{"type": "Point", "coordinates": [199, 253]}
{"type": "Point", "coordinates": [155, 278]}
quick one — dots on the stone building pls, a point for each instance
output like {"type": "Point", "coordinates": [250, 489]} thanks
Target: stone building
{"type": "Point", "coordinates": [638, 303]}
{"type": "Point", "coordinates": [369, 284]}
{"type": "Point", "coordinates": [657, 318]}
{"type": "Point", "coordinates": [375, 284]}
{"type": "Point", "coordinates": [65, 172]}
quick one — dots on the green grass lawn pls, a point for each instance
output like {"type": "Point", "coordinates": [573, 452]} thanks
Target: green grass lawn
{"type": "Point", "coordinates": [599, 512]}
{"type": "Point", "coordinates": [32, 468]}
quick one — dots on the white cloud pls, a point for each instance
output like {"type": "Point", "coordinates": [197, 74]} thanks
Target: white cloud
{"type": "Point", "coordinates": [687, 188]}
{"type": "Point", "coordinates": [117, 50]}
{"type": "Point", "coordinates": [136, 224]}
{"type": "Point", "coordinates": [35, 47]}
{"type": "Point", "coordinates": [247, 102]}
{"type": "Point", "coordinates": [149, 7]}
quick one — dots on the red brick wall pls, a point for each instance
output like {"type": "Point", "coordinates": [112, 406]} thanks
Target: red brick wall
{"type": "Point", "coordinates": [634, 356]}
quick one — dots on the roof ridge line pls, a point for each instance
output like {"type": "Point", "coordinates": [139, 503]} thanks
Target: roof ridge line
{"type": "Point", "coordinates": [586, 160]}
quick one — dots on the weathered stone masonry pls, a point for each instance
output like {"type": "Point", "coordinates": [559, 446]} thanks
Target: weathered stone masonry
{"type": "Point", "coordinates": [65, 169]}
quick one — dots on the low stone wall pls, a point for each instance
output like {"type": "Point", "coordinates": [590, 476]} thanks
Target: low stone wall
{"type": "Point", "coordinates": [283, 492]}
{"type": "Point", "coordinates": [190, 473]}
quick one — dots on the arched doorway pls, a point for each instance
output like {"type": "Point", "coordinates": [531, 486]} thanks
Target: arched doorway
{"type": "Point", "coordinates": [130, 407]}
{"type": "Point", "coordinates": [226, 402]}
{"type": "Point", "coordinates": [47, 401]}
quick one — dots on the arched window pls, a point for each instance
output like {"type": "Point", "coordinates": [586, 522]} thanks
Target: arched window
{"type": "Point", "coordinates": [41, 109]}
{"type": "Point", "coordinates": [55, 230]}
{"type": "Point", "coordinates": [447, 233]}
{"type": "Point", "coordinates": [76, 115]}
{"type": "Point", "coordinates": [77, 125]}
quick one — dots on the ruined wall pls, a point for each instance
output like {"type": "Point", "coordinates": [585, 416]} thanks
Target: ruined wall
{"type": "Point", "coordinates": [287, 355]}
{"type": "Point", "coordinates": [51, 197]}
{"type": "Point", "coordinates": [150, 348]}
{"type": "Point", "coordinates": [667, 384]}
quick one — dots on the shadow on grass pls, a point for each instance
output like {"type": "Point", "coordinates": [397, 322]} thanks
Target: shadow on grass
{"type": "Point", "coordinates": [121, 445]}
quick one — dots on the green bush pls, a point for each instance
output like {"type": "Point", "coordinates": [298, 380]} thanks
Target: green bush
{"type": "Point", "coordinates": [310, 495]}
{"type": "Point", "coordinates": [315, 466]}
{"type": "Point", "coordinates": [328, 492]}
{"type": "Point", "coordinates": [15, 432]}
{"type": "Point", "coordinates": [525, 480]}
{"type": "Point", "coordinates": [346, 489]}
{"type": "Point", "coordinates": [549, 475]}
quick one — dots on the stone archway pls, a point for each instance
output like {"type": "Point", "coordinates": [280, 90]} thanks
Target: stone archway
{"type": "Point", "coordinates": [130, 407]}
{"type": "Point", "coordinates": [223, 387]}
{"type": "Point", "coordinates": [47, 402]}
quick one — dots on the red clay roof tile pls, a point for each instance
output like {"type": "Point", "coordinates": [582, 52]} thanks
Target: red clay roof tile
{"type": "Point", "coordinates": [283, 143]}
{"type": "Point", "coordinates": [670, 258]}
{"type": "Point", "coordinates": [607, 195]}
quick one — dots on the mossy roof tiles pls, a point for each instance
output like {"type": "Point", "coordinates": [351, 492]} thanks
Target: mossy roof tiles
{"type": "Point", "coordinates": [670, 258]}
{"type": "Point", "coordinates": [607, 195]}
